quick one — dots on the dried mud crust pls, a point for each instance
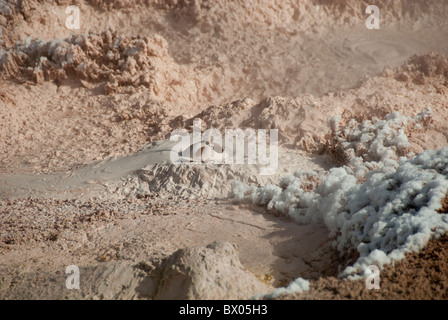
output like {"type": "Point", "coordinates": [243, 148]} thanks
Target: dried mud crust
{"type": "Point", "coordinates": [95, 234]}
{"type": "Point", "coordinates": [116, 60]}
{"type": "Point", "coordinates": [95, 95]}
{"type": "Point", "coordinates": [81, 130]}
{"type": "Point", "coordinates": [422, 275]}
{"type": "Point", "coordinates": [432, 67]}
{"type": "Point", "coordinates": [122, 123]}
{"type": "Point", "coordinates": [31, 221]}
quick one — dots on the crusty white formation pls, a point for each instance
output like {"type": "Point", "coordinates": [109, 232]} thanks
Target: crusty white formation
{"type": "Point", "coordinates": [380, 205]}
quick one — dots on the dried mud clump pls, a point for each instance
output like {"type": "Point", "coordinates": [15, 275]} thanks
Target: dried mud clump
{"type": "Point", "coordinates": [120, 62]}
{"type": "Point", "coordinates": [10, 13]}
{"type": "Point", "coordinates": [296, 120]}
{"type": "Point", "coordinates": [419, 69]}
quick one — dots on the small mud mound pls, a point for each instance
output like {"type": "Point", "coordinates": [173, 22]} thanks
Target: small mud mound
{"type": "Point", "coordinates": [213, 272]}
{"type": "Point", "coordinates": [192, 181]}
{"type": "Point", "coordinates": [210, 180]}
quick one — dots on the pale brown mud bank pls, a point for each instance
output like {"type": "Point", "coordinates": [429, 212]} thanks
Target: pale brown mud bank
{"type": "Point", "coordinates": [85, 116]}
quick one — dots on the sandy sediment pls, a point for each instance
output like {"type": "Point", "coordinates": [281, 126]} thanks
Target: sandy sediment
{"type": "Point", "coordinates": [86, 116]}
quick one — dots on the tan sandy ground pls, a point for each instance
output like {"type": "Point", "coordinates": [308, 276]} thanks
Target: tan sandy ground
{"type": "Point", "coordinates": [260, 64]}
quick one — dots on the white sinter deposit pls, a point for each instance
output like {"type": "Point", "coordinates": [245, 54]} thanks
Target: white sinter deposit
{"type": "Point", "coordinates": [382, 204]}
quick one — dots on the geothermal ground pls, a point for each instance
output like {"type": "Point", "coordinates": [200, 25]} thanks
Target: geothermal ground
{"type": "Point", "coordinates": [86, 177]}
